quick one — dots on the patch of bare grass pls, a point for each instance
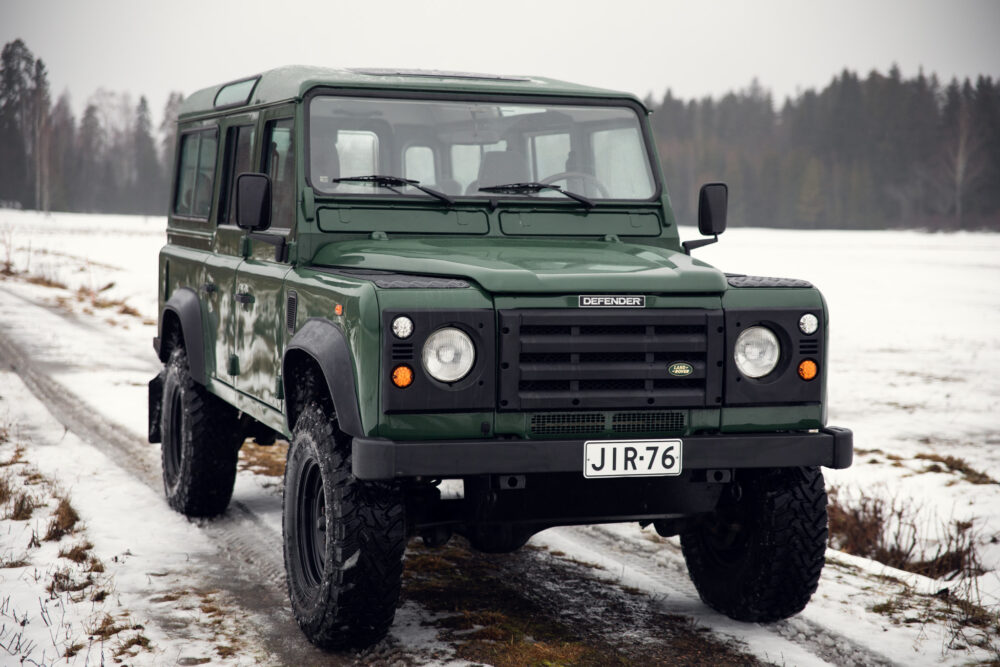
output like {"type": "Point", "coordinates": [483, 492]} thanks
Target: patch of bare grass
{"type": "Point", "coordinates": [64, 582]}
{"type": "Point", "coordinates": [265, 460]}
{"type": "Point", "coordinates": [16, 458]}
{"type": "Point", "coordinates": [45, 281]}
{"type": "Point", "coordinates": [6, 488]}
{"type": "Point", "coordinates": [959, 465]}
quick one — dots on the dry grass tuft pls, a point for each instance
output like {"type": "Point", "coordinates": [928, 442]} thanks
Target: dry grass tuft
{"type": "Point", "coordinates": [63, 522]}
{"type": "Point", "coordinates": [45, 281]}
{"type": "Point", "coordinates": [886, 531]}
{"type": "Point", "coordinates": [105, 628]}
{"type": "Point", "coordinates": [11, 562]}
{"type": "Point", "coordinates": [63, 582]}
{"type": "Point", "coordinates": [78, 553]}
{"type": "Point", "coordinates": [6, 489]}
{"type": "Point", "coordinates": [17, 457]}
{"type": "Point", "coordinates": [956, 464]}
{"type": "Point", "coordinates": [22, 507]}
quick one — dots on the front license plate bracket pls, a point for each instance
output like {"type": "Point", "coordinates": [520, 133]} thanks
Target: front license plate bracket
{"type": "Point", "coordinates": [632, 458]}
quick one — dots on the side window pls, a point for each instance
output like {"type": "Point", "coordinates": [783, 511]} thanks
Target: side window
{"type": "Point", "coordinates": [418, 164]}
{"type": "Point", "coordinates": [239, 159]}
{"type": "Point", "coordinates": [196, 174]}
{"type": "Point", "coordinates": [279, 164]}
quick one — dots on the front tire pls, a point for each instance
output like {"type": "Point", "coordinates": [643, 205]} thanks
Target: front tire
{"type": "Point", "coordinates": [343, 539]}
{"type": "Point", "coordinates": [201, 443]}
{"type": "Point", "coordinates": [758, 558]}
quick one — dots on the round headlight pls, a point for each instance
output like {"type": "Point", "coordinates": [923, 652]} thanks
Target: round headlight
{"type": "Point", "coordinates": [808, 324]}
{"type": "Point", "coordinates": [757, 351]}
{"type": "Point", "coordinates": [402, 327]}
{"type": "Point", "coordinates": [449, 354]}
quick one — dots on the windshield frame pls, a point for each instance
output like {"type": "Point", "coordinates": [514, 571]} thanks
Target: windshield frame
{"type": "Point", "coordinates": [485, 198]}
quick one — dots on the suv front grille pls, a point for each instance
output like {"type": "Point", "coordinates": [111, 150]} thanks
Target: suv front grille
{"type": "Point", "coordinates": [579, 359]}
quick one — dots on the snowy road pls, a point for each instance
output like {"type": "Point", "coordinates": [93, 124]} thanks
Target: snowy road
{"type": "Point", "coordinates": [90, 370]}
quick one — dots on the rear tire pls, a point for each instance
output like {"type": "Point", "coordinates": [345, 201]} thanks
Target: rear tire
{"type": "Point", "coordinates": [201, 443]}
{"type": "Point", "coordinates": [759, 558]}
{"type": "Point", "coordinates": [343, 539]}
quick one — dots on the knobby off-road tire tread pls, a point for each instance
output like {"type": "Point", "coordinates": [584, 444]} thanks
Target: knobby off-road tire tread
{"type": "Point", "coordinates": [209, 444]}
{"type": "Point", "coordinates": [355, 603]}
{"type": "Point", "coordinates": [779, 568]}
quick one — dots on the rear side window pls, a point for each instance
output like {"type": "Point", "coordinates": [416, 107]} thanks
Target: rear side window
{"type": "Point", "coordinates": [280, 166]}
{"type": "Point", "coordinates": [193, 198]}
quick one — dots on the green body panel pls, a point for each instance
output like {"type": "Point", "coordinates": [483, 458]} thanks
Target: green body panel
{"type": "Point", "coordinates": [515, 254]}
{"type": "Point", "coordinates": [576, 223]}
{"type": "Point", "coordinates": [772, 418]}
{"type": "Point", "coordinates": [536, 265]}
{"type": "Point", "coordinates": [354, 220]}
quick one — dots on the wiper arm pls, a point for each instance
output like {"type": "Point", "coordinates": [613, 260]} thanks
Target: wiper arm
{"type": "Point", "coordinates": [517, 188]}
{"type": "Point", "coordinates": [394, 182]}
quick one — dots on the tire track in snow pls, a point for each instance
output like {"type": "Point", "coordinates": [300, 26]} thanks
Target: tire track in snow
{"type": "Point", "coordinates": [659, 572]}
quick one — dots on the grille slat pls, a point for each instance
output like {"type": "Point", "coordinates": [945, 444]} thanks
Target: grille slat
{"type": "Point", "coordinates": [601, 343]}
{"type": "Point", "coordinates": [578, 359]}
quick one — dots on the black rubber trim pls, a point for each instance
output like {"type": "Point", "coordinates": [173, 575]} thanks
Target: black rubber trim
{"type": "Point", "coordinates": [325, 342]}
{"type": "Point", "coordinates": [155, 407]}
{"type": "Point", "coordinates": [764, 281]}
{"type": "Point", "coordinates": [185, 304]}
{"type": "Point", "coordinates": [376, 458]}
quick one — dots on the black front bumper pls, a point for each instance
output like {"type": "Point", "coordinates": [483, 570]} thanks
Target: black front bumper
{"type": "Point", "coordinates": [376, 458]}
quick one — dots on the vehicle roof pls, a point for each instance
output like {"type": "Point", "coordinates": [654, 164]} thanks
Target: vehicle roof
{"type": "Point", "coordinates": [294, 81]}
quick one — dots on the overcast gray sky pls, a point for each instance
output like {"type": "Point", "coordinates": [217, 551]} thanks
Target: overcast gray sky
{"type": "Point", "coordinates": [694, 48]}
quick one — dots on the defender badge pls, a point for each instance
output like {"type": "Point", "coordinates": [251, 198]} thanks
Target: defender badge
{"type": "Point", "coordinates": [680, 369]}
{"type": "Point", "coordinates": [612, 301]}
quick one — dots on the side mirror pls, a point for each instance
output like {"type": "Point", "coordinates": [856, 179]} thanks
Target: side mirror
{"type": "Point", "coordinates": [713, 200]}
{"type": "Point", "coordinates": [253, 202]}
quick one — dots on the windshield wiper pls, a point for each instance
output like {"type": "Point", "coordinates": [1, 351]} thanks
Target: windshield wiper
{"type": "Point", "coordinates": [517, 188]}
{"type": "Point", "coordinates": [393, 182]}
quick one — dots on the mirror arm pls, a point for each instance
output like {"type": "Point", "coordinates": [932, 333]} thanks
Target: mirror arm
{"type": "Point", "coordinates": [691, 245]}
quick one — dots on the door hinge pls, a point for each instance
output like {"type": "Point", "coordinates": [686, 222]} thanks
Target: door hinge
{"type": "Point", "coordinates": [234, 365]}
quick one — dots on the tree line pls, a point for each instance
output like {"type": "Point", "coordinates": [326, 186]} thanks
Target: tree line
{"type": "Point", "coordinates": [110, 161]}
{"type": "Point", "coordinates": [871, 153]}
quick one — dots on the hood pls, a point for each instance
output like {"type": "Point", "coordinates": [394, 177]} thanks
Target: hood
{"type": "Point", "coordinates": [502, 265]}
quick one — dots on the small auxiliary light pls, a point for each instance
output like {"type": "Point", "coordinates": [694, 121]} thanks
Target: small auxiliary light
{"type": "Point", "coordinates": [402, 376]}
{"type": "Point", "coordinates": [808, 324]}
{"type": "Point", "coordinates": [807, 369]}
{"type": "Point", "coordinates": [338, 309]}
{"type": "Point", "coordinates": [402, 327]}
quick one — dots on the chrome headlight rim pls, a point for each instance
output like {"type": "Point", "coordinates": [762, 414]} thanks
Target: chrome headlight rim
{"type": "Point", "coordinates": [757, 352]}
{"type": "Point", "coordinates": [446, 366]}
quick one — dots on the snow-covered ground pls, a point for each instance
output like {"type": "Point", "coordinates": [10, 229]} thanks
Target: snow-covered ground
{"type": "Point", "coordinates": [915, 372]}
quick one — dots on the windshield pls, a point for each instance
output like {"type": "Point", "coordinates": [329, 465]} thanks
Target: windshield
{"type": "Point", "coordinates": [457, 147]}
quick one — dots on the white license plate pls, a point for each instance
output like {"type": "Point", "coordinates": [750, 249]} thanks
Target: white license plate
{"type": "Point", "coordinates": [632, 458]}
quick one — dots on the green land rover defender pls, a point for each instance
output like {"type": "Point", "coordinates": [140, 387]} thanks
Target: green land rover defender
{"type": "Point", "coordinates": [464, 302]}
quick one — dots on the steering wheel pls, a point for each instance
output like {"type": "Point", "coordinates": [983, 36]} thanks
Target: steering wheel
{"type": "Point", "coordinates": [589, 178]}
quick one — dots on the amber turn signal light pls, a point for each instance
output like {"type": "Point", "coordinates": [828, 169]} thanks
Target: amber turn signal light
{"type": "Point", "coordinates": [807, 369]}
{"type": "Point", "coordinates": [402, 376]}
{"type": "Point", "coordinates": [338, 309]}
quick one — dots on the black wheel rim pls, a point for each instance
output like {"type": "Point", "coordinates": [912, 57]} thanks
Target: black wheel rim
{"type": "Point", "coordinates": [173, 441]}
{"type": "Point", "coordinates": [311, 524]}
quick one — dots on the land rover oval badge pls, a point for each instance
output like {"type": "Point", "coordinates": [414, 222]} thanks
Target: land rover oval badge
{"type": "Point", "coordinates": [680, 369]}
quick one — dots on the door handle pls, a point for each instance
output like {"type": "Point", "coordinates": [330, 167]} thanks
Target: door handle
{"type": "Point", "coordinates": [244, 297]}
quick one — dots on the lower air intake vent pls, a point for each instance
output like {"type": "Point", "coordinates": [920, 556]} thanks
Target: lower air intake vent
{"type": "Point", "coordinates": [571, 422]}
{"type": "Point", "coordinates": [647, 422]}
